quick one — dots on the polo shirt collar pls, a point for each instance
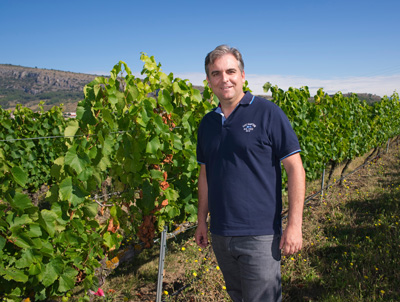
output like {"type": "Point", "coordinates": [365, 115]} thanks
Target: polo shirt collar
{"type": "Point", "coordinates": [247, 99]}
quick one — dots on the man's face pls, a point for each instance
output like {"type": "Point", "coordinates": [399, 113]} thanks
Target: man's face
{"type": "Point", "coordinates": [226, 80]}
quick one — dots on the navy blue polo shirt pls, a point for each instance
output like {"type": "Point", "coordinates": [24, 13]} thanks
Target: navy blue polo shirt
{"type": "Point", "coordinates": [243, 156]}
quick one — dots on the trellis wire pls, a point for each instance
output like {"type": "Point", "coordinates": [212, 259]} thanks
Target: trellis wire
{"type": "Point", "coordinates": [54, 136]}
{"type": "Point", "coordinates": [66, 136]}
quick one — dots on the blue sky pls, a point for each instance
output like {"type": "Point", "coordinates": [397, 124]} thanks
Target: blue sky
{"type": "Point", "coordinates": [348, 46]}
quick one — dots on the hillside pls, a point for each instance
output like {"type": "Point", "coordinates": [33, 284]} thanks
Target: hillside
{"type": "Point", "coordinates": [368, 97]}
{"type": "Point", "coordinates": [28, 86]}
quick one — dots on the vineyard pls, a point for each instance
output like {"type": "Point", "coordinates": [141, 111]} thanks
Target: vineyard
{"type": "Point", "coordinates": [71, 191]}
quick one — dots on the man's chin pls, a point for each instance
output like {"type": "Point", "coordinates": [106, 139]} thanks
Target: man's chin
{"type": "Point", "coordinates": [225, 96]}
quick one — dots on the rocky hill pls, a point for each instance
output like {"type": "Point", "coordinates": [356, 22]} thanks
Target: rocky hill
{"type": "Point", "coordinates": [368, 97]}
{"type": "Point", "coordinates": [28, 86]}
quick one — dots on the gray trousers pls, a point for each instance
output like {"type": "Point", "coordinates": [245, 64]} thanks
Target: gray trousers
{"type": "Point", "coordinates": [251, 267]}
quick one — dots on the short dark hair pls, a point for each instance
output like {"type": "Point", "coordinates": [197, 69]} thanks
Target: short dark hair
{"type": "Point", "coordinates": [220, 51]}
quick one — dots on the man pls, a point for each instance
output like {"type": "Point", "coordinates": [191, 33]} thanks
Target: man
{"type": "Point", "coordinates": [241, 145]}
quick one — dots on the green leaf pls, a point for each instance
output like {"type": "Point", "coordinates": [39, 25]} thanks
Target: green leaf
{"type": "Point", "coordinates": [96, 90]}
{"type": "Point", "coordinates": [86, 174]}
{"type": "Point", "coordinates": [48, 221]}
{"type": "Point", "coordinates": [19, 176]}
{"type": "Point", "coordinates": [2, 242]}
{"type": "Point", "coordinates": [78, 225]}
{"type": "Point", "coordinates": [65, 191]}
{"type": "Point", "coordinates": [27, 258]}
{"type": "Point", "coordinates": [90, 209]}
{"type": "Point", "coordinates": [191, 209]}
{"type": "Point", "coordinates": [71, 237]}
{"type": "Point", "coordinates": [52, 195]}
{"type": "Point", "coordinates": [172, 211]}
{"type": "Point", "coordinates": [85, 114]}
{"type": "Point", "coordinates": [103, 163]}
{"type": "Point", "coordinates": [108, 145]}
{"type": "Point", "coordinates": [20, 221]}
{"type": "Point", "coordinates": [159, 126]}
{"type": "Point", "coordinates": [34, 230]}
{"type": "Point", "coordinates": [35, 269]}
{"type": "Point", "coordinates": [110, 239]}
{"type": "Point", "coordinates": [149, 196]}
{"type": "Point", "coordinates": [21, 201]}
{"type": "Point", "coordinates": [67, 279]}
{"type": "Point", "coordinates": [107, 116]}
{"type": "Point", "coordinates": [76, 162]}
{"type": "Point", "coordinates": [176, 88]}
{"type": "Point", "coordinates": [132, 94]}
{"type": "Point", "coordinates": [52, 271]}
{"type": "Point", "coordinates": [70, 192]}
{"type": "Point", "coordinates": [164, 98]}
{"type": "Point", "coordinates": [72, 128]}
{"type": "Point", "coordinates": [47, 249]}
{"type": "Point", "coordinates": [177, 142]}
{"type": "Point", "coordinates": [22, 240]}
{"type": "Point", "coordinates": [143, 117]}
{"type": "Point", "coordinates": [171, 194]}
{"type": "Point", "coordinates": [153, 146]}
{"type": "Point", "coordinates": [13, 274]}
{"type": "Point", "coordinates": [156, 174]}
{"type": "Point", "coordinates": [112, 97]}
{"type": "Point", "coordinates": [37, 243]}
{"type": "Point", "coordinates": [113, 211]}
{"type": "Point", "coordinates": [40, 294]}
{"type": "Point", "coordinates": [57, 167]}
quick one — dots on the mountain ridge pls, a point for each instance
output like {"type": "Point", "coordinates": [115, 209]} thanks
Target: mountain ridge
{"type": "Point", "coordinates": [28, 86]}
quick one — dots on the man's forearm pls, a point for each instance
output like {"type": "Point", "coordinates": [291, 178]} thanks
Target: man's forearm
{"type": "Point", "coordinates": [296, 193]}
{"type": "Point", "coordinates": [201, 236]}
{"type": "Point", "coordinates": [292, 238]}
{"type": "Point", "coordinates": [202, 211]}
{"type": "Point", "coordinates": [296, 189]}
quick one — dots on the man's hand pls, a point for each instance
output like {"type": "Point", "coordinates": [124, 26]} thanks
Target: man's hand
{"type": "Point", "coordinates": [201, 235]}
{"type": "Point", "coordinates": [291, 241]}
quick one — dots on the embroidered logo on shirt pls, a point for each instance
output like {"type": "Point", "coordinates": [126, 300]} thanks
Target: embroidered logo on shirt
{"type": "Point", "coordinates": [249, 127]}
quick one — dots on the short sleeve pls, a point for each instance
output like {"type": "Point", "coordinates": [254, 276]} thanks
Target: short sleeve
{"type": "Point", "coordinates": [284, 139]}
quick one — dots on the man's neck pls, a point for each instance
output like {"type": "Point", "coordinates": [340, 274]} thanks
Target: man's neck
{"type": "Point", "coordinates": [227, 107]}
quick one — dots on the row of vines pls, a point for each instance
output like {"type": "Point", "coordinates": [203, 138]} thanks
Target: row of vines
{"type": "Point", "coordinates": [337, 129]}
{"type": "Point", "coordinates": [137, 138]}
